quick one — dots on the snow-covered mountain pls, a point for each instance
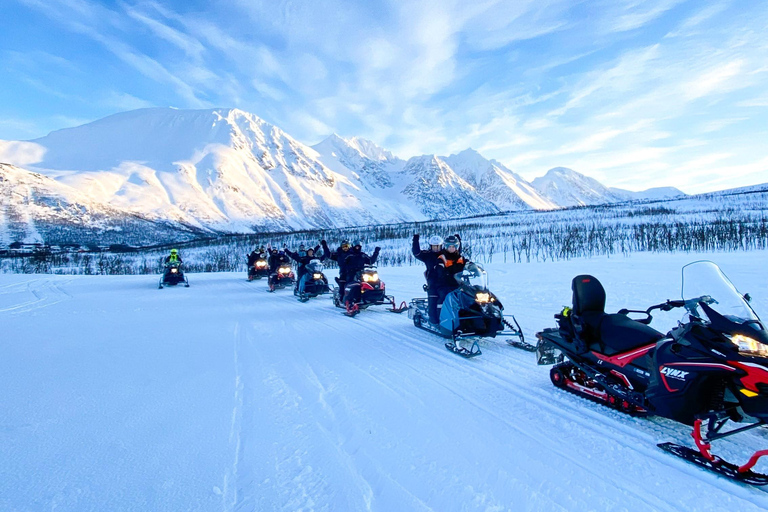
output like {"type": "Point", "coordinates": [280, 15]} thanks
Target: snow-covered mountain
{"type": "Point", "coordinates": [496, 183]}
{"type": "Point", "coordinates": [566, 187]}
{"type": "Point", "coordinates": [225, 170]}
{"type": "Point", "coordinates": [650, 194]}
{"type": "Point", "coordinates": [221, 169]}
{"type": "Point", "coordinates": [35, 208]}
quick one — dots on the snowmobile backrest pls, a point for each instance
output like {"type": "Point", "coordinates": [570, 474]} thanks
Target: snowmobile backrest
{"type": "Point", "coordinates": [588, 295]}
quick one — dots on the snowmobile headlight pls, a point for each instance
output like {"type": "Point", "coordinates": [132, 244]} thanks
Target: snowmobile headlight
{"type": "Point", "coordinates": [174, 270]}
{"type": "Point", "coordinates": [317, 275]}
{"type": "Point", "coordinates": [284, 270]}
{"type": "Point", "coordinates": [749, 346]}
{"type": "Point", "coordinates": [261, 263]}
{"type": "Point", "coordinates": [371, 278]}
{"type": "Point", "coordinates": [482, 297]}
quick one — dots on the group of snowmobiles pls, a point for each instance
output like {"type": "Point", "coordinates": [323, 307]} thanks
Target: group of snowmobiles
{"type": "Point", "coordinates": [709, 371]}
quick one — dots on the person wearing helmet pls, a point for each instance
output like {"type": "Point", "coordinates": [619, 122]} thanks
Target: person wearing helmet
{"type": "Point", "coordinates": [253, 256]}
{"type": "Point", "coordinates": [276, 258]}
{"type": "Point", "coordinates": [339, 256]}
{"type": "Point", "coordinates": [173, 257]}
{"type": "Point", "coordinates": [302, 274]}
{"type": "Point", "coordinates": [449, 263]}
{"type": "Point", "coordinates": [443, 261]}
{"type": "Point", "coordinates": [354, 263]}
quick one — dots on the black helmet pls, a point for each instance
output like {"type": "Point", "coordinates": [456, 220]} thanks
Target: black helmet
{"type": "Point", "coordinates": [357, 243]}
{"type": "Point", "coordinates": [452, 241]}
{"type": "Point", "coordinates": [311, 249]}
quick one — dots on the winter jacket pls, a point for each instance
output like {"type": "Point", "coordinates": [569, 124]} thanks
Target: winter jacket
{"type": "Point", "coordinates": [448, 265]}
{"type": "Point", "coordinates": [169, 259]}
{"type": "Point", "coordinates": [339, 256]}
{"type": "Point", "coordinates": [253, 257]}
{"type": "Point", "coordinates": [275, 260]}
{"type": "Point", "coordinates": [356, 260]}
{"type": "Point", "coordinates": [303, 261]}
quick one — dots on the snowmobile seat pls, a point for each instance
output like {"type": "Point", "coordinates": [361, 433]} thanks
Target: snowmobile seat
{"type": "Point", "coordinates": [588, 295]}
{"type": "Point", "coordinates": [588, 307]}
{"type": "Point", "coordinates": [619, 333]}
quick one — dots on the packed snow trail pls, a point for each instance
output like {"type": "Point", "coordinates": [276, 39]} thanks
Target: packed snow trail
{"type": "Point", "coordinates": [117, 396]}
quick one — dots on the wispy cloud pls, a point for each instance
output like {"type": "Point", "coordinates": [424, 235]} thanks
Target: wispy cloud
{"type": "Point", "coordinates": [620, 89]}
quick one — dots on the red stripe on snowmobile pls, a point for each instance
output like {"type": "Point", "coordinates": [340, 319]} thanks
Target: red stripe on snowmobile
{"type": "Point", "coordinates": [756, 374]}
{"type": "Point", "coordinates": [583, 389]}
{"type": "Point", "coordinates": [622, 360]}
{"type": "Point", "coordinates": [623, 378]}
{"type": "Point", "coordinates": [710, 365]}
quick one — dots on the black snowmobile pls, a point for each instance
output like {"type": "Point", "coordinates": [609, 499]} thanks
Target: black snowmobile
{"type": "Point", "coordinates": [282, 278]}
{"type": "Point", "coordinates": [366, 290]}
{"type": "Point", "coordinates": [173, 275]}
{"type": "Point", "coordinates": [258, 270]}
{"type": "Point", "coordinates": [469, 312]}
{"type": "Point", "coordinates": [710, 370]}
{"type": "Point", "coordinates": [316, 282]}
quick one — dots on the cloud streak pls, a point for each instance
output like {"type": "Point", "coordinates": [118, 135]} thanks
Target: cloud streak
{"type": "Point", "coordinates": [619, 89]}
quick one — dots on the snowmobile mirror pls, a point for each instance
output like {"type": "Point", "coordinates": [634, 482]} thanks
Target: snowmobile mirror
{"type": "Point", "coordinates": [747, 297]}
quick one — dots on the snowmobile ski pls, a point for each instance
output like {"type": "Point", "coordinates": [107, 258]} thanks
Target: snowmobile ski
{"type": "Point", "coordinates": [474, 351]}
{"type": "Point", "coordinates": [517, 331]}
{"type": "Point", "coordinates": [717, 465]}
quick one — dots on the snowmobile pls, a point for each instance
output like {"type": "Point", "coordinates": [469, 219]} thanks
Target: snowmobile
{"type": "Point", "coordinates": [173, 275]}
{"type": "Point", "coordinates": [366, 290]}
{"type": "Point", "coordinates": [258, 270]}
{"type": "Point", "coordinates": [282, 278]}
{"type": "Point", "coordinates": [710, 370]}
{"type": "Point", "coordinates": [316, 284]}
{"type": "Point", "coordinates": [469, 312]}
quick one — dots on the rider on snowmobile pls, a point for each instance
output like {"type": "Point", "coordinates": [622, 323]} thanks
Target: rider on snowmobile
{"type": "Point", "coordinates": [339, 256]}
{"type": "Point", "coordinates": [443, 263]}
{"type": "Point", "coordinates": [355, 262]}
{"type": "Point", "coordinates": [253, 256]}
{"type": "Point", "coordinates": [302, 274]}
{"type": "Point", "coordinates": [173, 257]}
{"type": "Point", "coordinates": [276, 258]}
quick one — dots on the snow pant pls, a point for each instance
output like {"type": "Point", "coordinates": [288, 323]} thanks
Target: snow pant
{"type": "Point", "coordinates": [435, 300]}
{"type": "Point", "coordinates": [303, 282]}
{"type": "Point", "coordinates": [352, 294]}
{"type": "Point", "coordinates": [342, 285]}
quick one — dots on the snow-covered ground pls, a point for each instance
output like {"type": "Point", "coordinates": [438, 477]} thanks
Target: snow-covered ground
{"type": "Point", "coordinates": [115, 395]}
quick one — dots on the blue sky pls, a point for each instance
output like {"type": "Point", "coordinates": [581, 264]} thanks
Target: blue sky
{"type": "Point", "coordinates": [633, 93]}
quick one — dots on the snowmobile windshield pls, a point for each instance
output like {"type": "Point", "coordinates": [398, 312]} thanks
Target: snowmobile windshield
{"type": "Point", "coordinates": [704, 282]}
{"type": "Point", "coordinates": [474, 275]}
{"type": "Point", "coordinates": [315, 266]}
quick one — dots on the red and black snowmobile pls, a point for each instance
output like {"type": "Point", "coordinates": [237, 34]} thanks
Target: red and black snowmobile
{"type": "Point", "coordinates": [366, 290]}
{"type": "Point", "coordinates": [283, 277]}
{"type": "Point", "coordinates": [709, 371]}
{"type": "Point", "coordinates": [259, 269]}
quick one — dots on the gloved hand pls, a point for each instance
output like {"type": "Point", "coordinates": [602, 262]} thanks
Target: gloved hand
{"type": "Point", "coordinates": [323, 242]}
{"type": "Point", "coordinates": [416, 237]}
{"type": "Point", "coordinates": [457, 236]}
{"type": "Point", "coordinates": [377, 249]}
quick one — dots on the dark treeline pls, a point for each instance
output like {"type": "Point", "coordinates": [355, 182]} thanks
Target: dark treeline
{"type": "Point", "coordinates": [511, 238]}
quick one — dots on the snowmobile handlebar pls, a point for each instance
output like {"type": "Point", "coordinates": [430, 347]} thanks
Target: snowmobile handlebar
{"type": "Point", "coordinates": [669, 305]}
